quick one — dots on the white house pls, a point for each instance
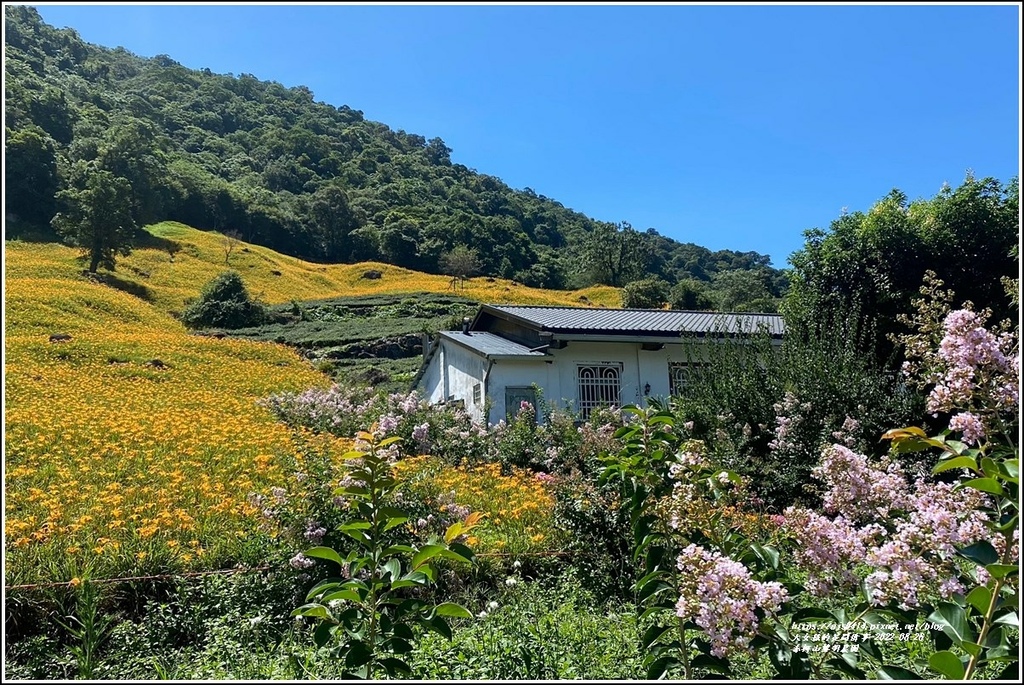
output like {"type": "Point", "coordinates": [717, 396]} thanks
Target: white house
{"type": "Point", "coordinates": [576, 357]}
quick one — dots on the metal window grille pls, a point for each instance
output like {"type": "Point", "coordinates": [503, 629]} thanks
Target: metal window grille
{"type": "Point", "coordinates": [679, 374]}
{"type": "Point", "coordinates": [599, 386]}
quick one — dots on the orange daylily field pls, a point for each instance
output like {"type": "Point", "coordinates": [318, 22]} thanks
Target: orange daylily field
{"type": "Point", "coordinates": [132, 447]}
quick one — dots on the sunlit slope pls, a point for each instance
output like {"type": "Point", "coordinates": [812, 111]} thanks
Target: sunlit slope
{"type": "Point", "coordinates": [134, 445]}
{"type": "Point", "coordinates": [198, 256]}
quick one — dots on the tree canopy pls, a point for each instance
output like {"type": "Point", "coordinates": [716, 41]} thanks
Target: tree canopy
{"type": "Point", "coordinates": [869, 266]}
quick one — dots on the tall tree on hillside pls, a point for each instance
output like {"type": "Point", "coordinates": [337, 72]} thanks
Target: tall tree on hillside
{"type": "Point", "coordinates": [97, 216]}
{"type": "Point", "coordinates": [332, 219]}
{"type": "Point", "coordinates": [614, 255]}
{"type": "Point", "coordinates": [460, 263]}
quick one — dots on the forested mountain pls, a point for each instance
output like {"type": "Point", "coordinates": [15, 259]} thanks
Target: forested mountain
{"type": "Point", "coordinates": [234, 153]}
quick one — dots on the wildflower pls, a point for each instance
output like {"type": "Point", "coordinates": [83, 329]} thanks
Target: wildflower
{"type": "Point", "coordinates": [300, 562]}
{"type": "Point", "coordinates": [420, 432]}
{"type": "Point", "coordinates": [75, 582]}
{"type": "Point", "coordinates": [970, 425]}
{"type": "Point", "coordinates": [314, 532]}
{"type": "Point", "coordinates": [510, 581]}
{"type": "Point", "coordinates": [491, 606]}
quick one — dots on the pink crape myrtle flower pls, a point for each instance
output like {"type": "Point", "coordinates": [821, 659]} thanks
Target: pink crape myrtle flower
{"type": "Point", "coordinates": [720, 596]}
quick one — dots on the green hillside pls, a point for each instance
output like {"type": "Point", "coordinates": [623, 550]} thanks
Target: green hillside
{"type": "Point", "coordinates": [234, 153]}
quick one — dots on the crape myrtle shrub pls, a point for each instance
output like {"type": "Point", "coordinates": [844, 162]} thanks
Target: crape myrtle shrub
{"type": "Point", "coordinates": [766, 410]}
{"type": "Point", "coordinates": [560, 444]}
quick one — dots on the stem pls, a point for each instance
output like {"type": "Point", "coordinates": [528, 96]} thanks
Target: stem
{"type": "Point", "coordinates": [986, 623]}
{"type": "Point", "coordinates": [374, 550]}
{"type": "Point", "coordinates": [684, 650]}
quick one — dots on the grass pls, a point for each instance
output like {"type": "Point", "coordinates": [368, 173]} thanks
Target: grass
{"type": "Point", "coordinates": [269, 275]}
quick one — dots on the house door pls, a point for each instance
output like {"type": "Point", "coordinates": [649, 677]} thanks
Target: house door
{"type": "Point", "coordinates": [514, 398]}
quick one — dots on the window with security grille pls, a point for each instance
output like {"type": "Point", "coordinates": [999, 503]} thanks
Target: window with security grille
{"type": "Point", "coordinates": [599, 386]}
{"type": "Point", "coordinates": [679, 375]}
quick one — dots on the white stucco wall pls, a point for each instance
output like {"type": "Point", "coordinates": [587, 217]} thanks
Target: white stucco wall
{"type": "Point", "coordinates": [515, 373]}
{"type": "Point", "coordinates": [430, 386]}
{"type": "Point", "coordinates": [454, 370]}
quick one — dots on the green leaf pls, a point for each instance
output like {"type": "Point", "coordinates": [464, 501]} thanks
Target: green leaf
{"type": "Point", "coordinates": [311, 610]}
{"type": "Point", "coordinates": [812, 615]}
{"type": "Point", "coordinates": [653, 590]}
{"type": "Point", "coordinates": [1002, 570]}
{"type": "Point", "coordinates": [398, 549]}
{"type": "Point", "coordinates": [769, 556]}
{"type": "Point", "coordinates": [395, 521]}
{"type": "Point", "coordinates": [712, 663]}
{"type": "Point", "coordinates": [652, 634]}
{"type": "Point", "coordinates": [426, 553]}
{"type": "Point", "coordinates": [952, 619]}
{"type": "Point", "coordinates": [358, 654]}
{"type": "Point", "coordinates": [439, 625]}
{"type": "Point", "coordinates": [972, 648]}
{"type": "Point", "coordinates": [453, 610]}
{"type": "Point", "coordinates": [990, 485]}
{"type": "Point", "coordinates": [956, 463]}
{"type": "Point", "coordinates": [348, 595]}
{"type": "Point", "coordinates": [322, 586]}
{"type": "Point", "coordinates": [981, 553]}
{"type": "Point", "coordinates": [462, 551]}
{"type": "Point", "coordinates": [393, 568]}
{"type": "Point", "coordinates": [890, 672]}
{"type": "Point", "coordinates": [979, 598]}
{"type": "Point", "coordinates": [847, 663]}
{"type": "Point", "coordinates": [323, 633]}
{"type": "Point", "coordinates": [1009, 618]}
{"type": "Point", "coordinates": [1011, 467]}
{"type": "Point", "coordinates": [389, 441]}
{"type": "Point", "coordinates": [948, 664]}
{"type": "Point", "coordinates": [658, 669]}
{"type": "Point", "coordinates": [324, 553]}
{"type": "Point", "coordinates": [394, 666]}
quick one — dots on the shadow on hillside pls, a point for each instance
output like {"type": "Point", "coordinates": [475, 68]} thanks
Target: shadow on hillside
{"type": "Point", "coordinates": [145, 239]}
{"type": "Point", "coordinates": [15, 229]}
{"type": "Point", "coordinates": [137, 289]}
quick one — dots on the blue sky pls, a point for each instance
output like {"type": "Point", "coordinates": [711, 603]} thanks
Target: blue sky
{"type": "Point", "coordinates": [733, 127]}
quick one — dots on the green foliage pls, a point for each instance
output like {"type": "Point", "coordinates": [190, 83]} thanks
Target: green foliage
{"type": "Point", "coordinates": [649, 293]}
{"type": "Point", "coordinates": [765, 409]}
{"type": "Point", "coordinates": [220, 152]}
{"type": "Point", "coordinates": [87, 627]}
{"type": "Point", "coordinates": [224, 303]}
{"type": "Point", "coordinates": [871, 264]}
{"type": "Point", "coordinates": [96, 215]}
{"type": "Point", "coordinates": [690, 294]}
{"type": "Point", "coordinates": [30, 178]}
{"type": "Point", "coordinates": [537, 632]}
{"type": "Point", "coordinates": [366, 617]}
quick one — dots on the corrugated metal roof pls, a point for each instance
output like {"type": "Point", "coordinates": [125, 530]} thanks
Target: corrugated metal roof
{"type": "Point", "coordinates": [489, 344]}
{"type": "Point", "coordinates": [655, 321]}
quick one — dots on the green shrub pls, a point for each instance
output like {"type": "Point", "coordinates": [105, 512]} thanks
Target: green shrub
{"type": "Point", "coordinates": [650, 293]}
{"type": "Point", "coordinates": [225, 303]}
{"type": "Point", "coordinates": [535, 632]}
